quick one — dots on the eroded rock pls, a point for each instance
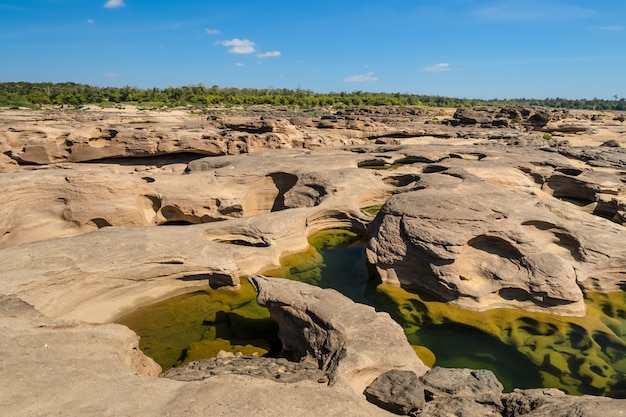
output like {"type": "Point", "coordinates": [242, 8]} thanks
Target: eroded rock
{"type": "Point", "coordinates": [351, 343]}
{"type": "Point", "coordinates": [514, 244]}
{"type": "Point", "coordinates": [400, 392]}
{"type": "Point", "coordinates": [485, 246]}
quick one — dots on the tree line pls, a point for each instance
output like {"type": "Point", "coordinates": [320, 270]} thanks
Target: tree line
{"type": "Point", "coordinates": [35, 95]}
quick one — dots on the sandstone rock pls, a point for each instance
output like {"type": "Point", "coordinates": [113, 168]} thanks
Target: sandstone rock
{"type": "Point", "coordinates": [278, 370]}
{"type": "Point", "coordinates": [351, 343]}
{"type": "Point", "coordinates": [93, 370]}
{"type": "Point", "coordinates": [234, 215]}
{"type": "Point", "coordinates": [397, 391]}
{"type": "Point", "coordinates": [542, 119]}
{"type": "Point", "coordinates": [483, 246]}
{"type": "Point", "coordinates": [480, 385]}
{"type": "Point", "coordinates": [552, 402]}
{"type": "Point", "coordinates": [7, 164]}
{"type": "Point", "coordinates": [476, 115]}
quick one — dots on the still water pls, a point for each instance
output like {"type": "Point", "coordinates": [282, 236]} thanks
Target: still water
{"type": "Point", "coordinates": [525, 350]}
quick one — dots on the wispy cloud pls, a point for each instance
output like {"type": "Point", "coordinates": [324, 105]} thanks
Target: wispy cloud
{"type": "Point", "coordinates": [90, 21]}
{"type": "Point", "coordinates": [361, 78]}
{"type": "Point", "coordinates": [238, 64]}
{"type": "Point", "coordinates": [271, 54]}
{"type": "Point", "coordinates": [11, 7]}
{"type": "Point", "coordinates": [615, 28]}
{"type": "Point", "coordinates": [533, 10]}
{"type": "Point", "coordinates": [442, 67]}
{"type": "Point", "coordinates": [111, 75]}
{"type": "Point", "coordinates": [112, 4]}
{"type": "Point", "coordinates": [213, 31]}
{"type": "Point", "coordinates": [239, 46]}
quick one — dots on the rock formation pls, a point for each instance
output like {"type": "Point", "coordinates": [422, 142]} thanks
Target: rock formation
{"type": "Point", "coordinates": [464, 239]}
{"type": "Point", "coordinates": [105, 211]}
{"type": "Point", "coordinates": [351, 343]}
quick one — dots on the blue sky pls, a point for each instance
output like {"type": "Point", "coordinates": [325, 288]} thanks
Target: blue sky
{"type": "Point", "coordinates": [456, 48]}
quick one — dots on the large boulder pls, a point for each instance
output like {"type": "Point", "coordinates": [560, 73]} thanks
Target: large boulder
{"type": "Point", "coordinates": [352, 343]}
{"type": "Point", "coordinates": [485, 246]}
{"type": "Point", "coordinates": [554, 403]}
{"type": "Point", "coordinates": [397, 391]}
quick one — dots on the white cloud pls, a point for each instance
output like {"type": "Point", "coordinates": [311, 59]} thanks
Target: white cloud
{"type": "Point", "coordinates": [112, 4]}
{"type": "Point", "coordinates": [239, 64]}
{"type": "Point", "coordinates": [90, 21]}
{"type": "Point", "coordinates": [533, 10]}
{"type": "Point", "coordinates": [239, 46]}
{"type": "Point", "coordinates": [213, 31]}
{"type": "Point", "coordinates": [111, 75]}
{"type": "Point", "coordinates": [271, 54]}
{"type": "Point", "coordinates": [443, 67]}
{"type": "Point", "coordinates": [615, 28]}
{"type": "Point", "coordinates": [361, 78]}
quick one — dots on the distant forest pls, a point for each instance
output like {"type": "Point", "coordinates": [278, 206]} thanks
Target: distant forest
{"type": "Point", "coordinates": [35, 95]}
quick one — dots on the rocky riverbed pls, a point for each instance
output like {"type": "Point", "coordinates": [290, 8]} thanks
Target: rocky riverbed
{"type": "Point", "coordinates": [106, 211]}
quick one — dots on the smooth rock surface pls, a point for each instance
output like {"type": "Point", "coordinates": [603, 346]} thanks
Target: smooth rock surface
{"type": "Point", "coordinates": [80, 369]}
{"type": "Point", "coordinates": [351, 343]}
{"type": "Point", "coordinates": [483, 245]}
{"type": "Point", "coordinates": [269, 178]}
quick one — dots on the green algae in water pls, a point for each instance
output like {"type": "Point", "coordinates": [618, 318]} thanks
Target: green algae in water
{"type": "Point", "coordinates": [198, 325]}
{"type": "Point", "coordinates": [389, 167]}
{"type": "Point", "coordinates": [580, 355]}
{"type": "Point", "coordinates": [372, 210]}
{"type": "Point", "coordinates": [335, 259]}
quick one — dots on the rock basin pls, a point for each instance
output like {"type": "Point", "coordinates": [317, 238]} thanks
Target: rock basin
{"type": "Point", "coordinates": [79, 242]}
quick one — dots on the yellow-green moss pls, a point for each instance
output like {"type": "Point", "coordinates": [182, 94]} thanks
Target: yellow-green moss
{"type": "Point", "coordinates": [581, 355]}
{"type": "Point", "coordinates": [372, 210]}
{"type": "Point", "coordinates": [577, 354]}
{"type": "Point", "coordinates": [198, 325]}
{"type": "Point", "coordinates": [426, 355]}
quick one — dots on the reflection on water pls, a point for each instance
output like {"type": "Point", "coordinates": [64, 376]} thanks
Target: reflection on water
{"type": "Point", "coordinates": [334, 259]}
{"type": "Point", "coordinates": [579, 355]}
{"type": "Point", "coordinates": [198, 325]}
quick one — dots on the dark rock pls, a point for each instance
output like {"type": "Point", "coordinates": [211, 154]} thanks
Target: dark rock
{"type": "Point", "coordinates": [521, 402]}
{"type": "Point", "coordinates": [476, 115]}
{"type": "Point", "coordinates": [400, 392]}
{"type": "Point", "coordinates": [274, 369]}
{"type": "Point", "coordinates": [480, 385]}
{"type": "Point", "coordinates": [611, 144]}
{"type": "Point", "coordinates": [554, 403]}
{"type": "Point", "coordinates": [540, 118]}
{"type": "Point", "coordinates": [458, 407]}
